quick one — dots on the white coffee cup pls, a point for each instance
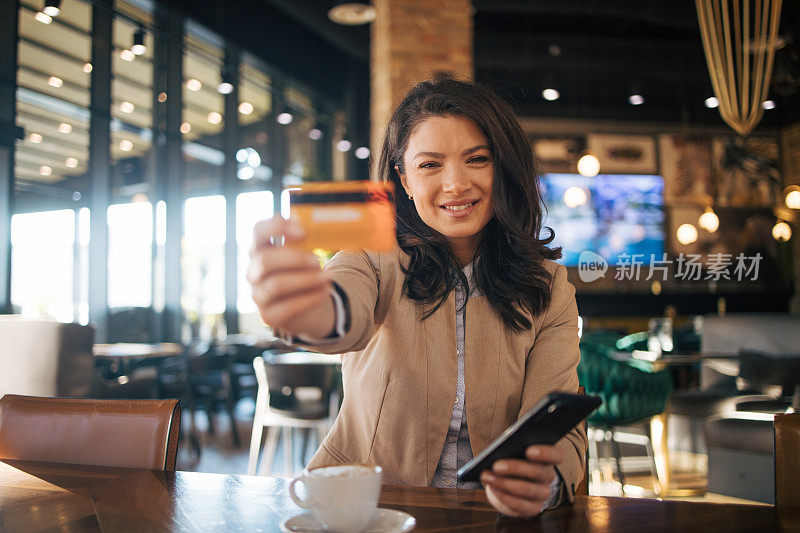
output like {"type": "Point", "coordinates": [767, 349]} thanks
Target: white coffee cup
{"type": "Point", "coordinates": [343, 498]}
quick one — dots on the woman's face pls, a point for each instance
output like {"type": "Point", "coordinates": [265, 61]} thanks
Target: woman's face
{"type": "Point", "coordinates": [449, 171]}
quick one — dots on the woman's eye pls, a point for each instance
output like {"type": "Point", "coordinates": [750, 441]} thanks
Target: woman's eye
{"type": "Point", "coordinates": [429, 164]}
{"type": "Point", "coordinates": [478, 159]}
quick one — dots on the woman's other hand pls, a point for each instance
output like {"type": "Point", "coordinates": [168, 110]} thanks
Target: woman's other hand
{"type": "Point", "coordinates": [289, 287]}
{"type": "Point", "coordinates": [521, 487]}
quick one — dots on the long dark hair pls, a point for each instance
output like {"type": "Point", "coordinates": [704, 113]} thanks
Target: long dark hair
{"type": "Point", "coordinates": [508, 269]}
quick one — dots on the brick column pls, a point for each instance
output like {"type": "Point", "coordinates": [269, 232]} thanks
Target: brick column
{"type": "Point", "coordinates": [411, 41]}
{"type": "Point", "coordinates": [790, 172]}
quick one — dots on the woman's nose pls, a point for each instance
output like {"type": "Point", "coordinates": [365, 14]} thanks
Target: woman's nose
{"type": "Point", "coordinates": [455, 181]}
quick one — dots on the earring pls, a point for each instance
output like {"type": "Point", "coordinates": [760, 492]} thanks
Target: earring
{"type": "Point", "coordinates": [410, 197]}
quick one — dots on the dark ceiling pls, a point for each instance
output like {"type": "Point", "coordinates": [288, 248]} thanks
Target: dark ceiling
{"type": "Point", "coordinates": [594, 53]}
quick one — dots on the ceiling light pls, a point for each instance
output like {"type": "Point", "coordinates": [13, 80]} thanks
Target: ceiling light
{"type": "Point", "coordinates": [52, 7]}
{"type": "Point", "coordinates": [315, 134]}
{"type": "Point", "coordinates": [245, 108]}
{"type": "Point", "coordinates": [186, 127]}
{"type": "Point", "coordinates": [126, 107]}
{"type": "Point", "coordinates": [214, 118]}
{"type": "Point", "coordinates": [44, 170]}
{"type": "Point", "coordinates": [686, 234]}
{"type": "Point", "coordinates": [351, 12]}
{"type": "Point", "coordinates": [87, 67]}
{"type": "Point", "coordinates": [588, 166]}
{"type": "Point", "coordinates": [53, 81]}
{"type": "Point", "coordinates": [64, 127]}
{"type": "Point", "coordinates": [44, 18]}
{"type": "Point", "coordinates": [71, 162]}
{"type": "Point", "coordinates": [193, 84]}
{"type": "Point", "coordinates": [712, 102]}
{"type": "Point", "coordinates": [76, 195]}
{"type": "Point", "coordinates": [225, 88]}
{"type": "Point", "coordinates": [241, 155]}
{"type": "Point", "coordinates": [362, 152]}
{"type": "Point", "coordinates": [253, 159]}
{"type": "Point", "coordinates": [636, 99]}
{"type": "Point", "coordinates": [550, 94]}
{"type": "Point", "coordinates": [125, 145]}
{"type": "Point", "coordinates": [781, 231]}
{"type": "Point", "coordinates": [709, 220]}
{"type": "Point", "coordinates": [285, 118]}
{"type": "Point", "coordinates": [344, 145]}
{"type": "Point", "coordinates": [138, 47]}
{"type": "Point", "coordinates": [793, 197]}
{"type": "Point", "coordinates": [35, 138]}
{"type": "Point", "coordinates": [162, 97]}
{"type": "Point", "coordinates": [127, 55]}
{"type": "Point", "coordinates": [245, 173]}
{"type": "Point", "coordinates": [768, 104]}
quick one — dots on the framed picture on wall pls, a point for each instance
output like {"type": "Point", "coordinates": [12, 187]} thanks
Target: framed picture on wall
{"type": "Point", "coordinates": [558, 154]}
{"type": "Point", "coordinates": [624, 154]}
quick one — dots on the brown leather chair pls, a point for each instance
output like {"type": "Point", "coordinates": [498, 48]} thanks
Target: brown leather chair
{"type": "Point", "coordinates": [787, 469]}
{"type": "Point", "coordinates": [121, 433]}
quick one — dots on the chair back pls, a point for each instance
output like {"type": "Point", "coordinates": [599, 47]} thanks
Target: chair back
{"type": "Point", "coordinates": [280, 378]}
{"type": "Point", "coordinates": [120, 433]}
{"type": "Point", "coordinates": [787, 468]}
{"type": "Point", "coordinates": [45, 357]}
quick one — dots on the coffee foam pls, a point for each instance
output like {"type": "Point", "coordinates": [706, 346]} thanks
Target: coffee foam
{"type": "Point", "coordinates": [342, 471]}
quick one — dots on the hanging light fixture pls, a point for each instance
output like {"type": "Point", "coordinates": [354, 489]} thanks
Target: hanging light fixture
{"type": "Point", "coordinates": [792, 198]}
{"type": "Point", "coordinates": [52, 7]}
{"type": "Point", "coordinates": [589, 166]}
{"type": "Point", "coordinates": [351, 12]}
{"type": "Point", "coordinates": [226, 85]}
{"type": "Point", "coordinates": [709, 220]}
{"type": "Point", "coordinates": [781, 231]}
{"type": "Point", "coordinates": [740, 70]}
{"type": "Point", "coordinates": [138, 47]}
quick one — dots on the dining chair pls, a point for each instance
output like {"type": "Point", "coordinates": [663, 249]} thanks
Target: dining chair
{"type": "Point", "coordinates": [787, 469]}
{"type": "Point", "coordinates": [119, 433]}
{"type": "Point", "coordinates": [280, 407]}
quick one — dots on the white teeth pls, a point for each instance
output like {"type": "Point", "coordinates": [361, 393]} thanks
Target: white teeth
{"type": "Point", "coordinates": [459, 207]}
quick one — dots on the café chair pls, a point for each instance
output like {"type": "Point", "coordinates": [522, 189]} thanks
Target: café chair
{"type": "Point", "coordinates": [280, 407]}
{"type": "Point", "coordinates": [787, 469]}
{"type": "Point", "coordinates": [118, 433]}
{"type": "Point", "coordinates": [631, 392]}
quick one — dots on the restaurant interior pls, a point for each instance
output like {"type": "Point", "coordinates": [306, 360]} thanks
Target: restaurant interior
{"type": "Point", "coordinates": [141, 140]}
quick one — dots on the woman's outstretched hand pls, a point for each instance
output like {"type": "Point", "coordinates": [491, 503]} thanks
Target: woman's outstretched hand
{"type": "Point", "coordinates": [289, 287]}
{"type": "Point", "coordinates": [521, 487]}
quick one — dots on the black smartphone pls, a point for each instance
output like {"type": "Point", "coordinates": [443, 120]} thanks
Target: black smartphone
{"type": "Point", "coordinates": [545, 423]}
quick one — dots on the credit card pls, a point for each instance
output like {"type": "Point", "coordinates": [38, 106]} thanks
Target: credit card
{"type": "Point", "coordinates": [351, 215]}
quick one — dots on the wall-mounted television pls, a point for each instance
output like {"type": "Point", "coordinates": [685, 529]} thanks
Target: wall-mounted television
{"type": "Point", "coordinates": [609, 214]}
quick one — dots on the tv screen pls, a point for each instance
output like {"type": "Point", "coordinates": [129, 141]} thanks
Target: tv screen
{"type": "Point", "coordinates": [609, 214]}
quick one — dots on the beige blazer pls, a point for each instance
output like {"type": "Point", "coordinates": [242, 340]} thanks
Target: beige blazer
{"type": "Point", "coordinates": [399, 372]}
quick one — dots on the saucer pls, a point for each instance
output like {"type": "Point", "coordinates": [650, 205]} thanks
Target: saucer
{"type": "Point", "coordinates": [383, 521]}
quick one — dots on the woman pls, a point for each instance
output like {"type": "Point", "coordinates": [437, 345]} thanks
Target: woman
{"type": "Point", "coordinates": [455, 335]}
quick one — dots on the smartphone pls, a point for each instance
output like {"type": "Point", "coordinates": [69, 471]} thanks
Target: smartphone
{"type": "Point", "coordinates": [545, 423]}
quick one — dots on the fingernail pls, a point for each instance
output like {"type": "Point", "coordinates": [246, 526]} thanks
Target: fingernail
{"type": "Point", "coordinates": [533, 451]}
{"type": "Point", "coordinates": [500, 467]}
{"type": "Point", "coordinates": [486, 477]}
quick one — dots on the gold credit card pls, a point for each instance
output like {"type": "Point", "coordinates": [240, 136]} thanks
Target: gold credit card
{"type": "Point", "coordinates": [343, 215]}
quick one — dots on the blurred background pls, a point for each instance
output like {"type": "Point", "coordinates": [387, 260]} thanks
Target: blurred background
{"type": "Point", "coordinates": [141, 140]}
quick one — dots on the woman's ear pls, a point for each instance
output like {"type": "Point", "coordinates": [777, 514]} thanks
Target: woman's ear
{"type": "Point", "coordinates": [403, 180]}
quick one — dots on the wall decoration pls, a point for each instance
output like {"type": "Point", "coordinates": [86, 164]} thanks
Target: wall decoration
{"type": "Point", "coordinates": [746, 171]}
{"type": "Point", "coordinates": [624, 154]}
{"type": "Point", "coordinates": [558, 154]}
{"type": "Point", "coordinates": [686, 165]}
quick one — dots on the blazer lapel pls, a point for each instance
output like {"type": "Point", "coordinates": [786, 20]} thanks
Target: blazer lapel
{"type": "Point", "coordinates": [482, 370]}
{"type": "Point", "coordinates": [439, 342]}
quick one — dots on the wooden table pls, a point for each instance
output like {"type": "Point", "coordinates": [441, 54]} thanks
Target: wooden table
{"type": "Point", "coordinates": [42, 496]}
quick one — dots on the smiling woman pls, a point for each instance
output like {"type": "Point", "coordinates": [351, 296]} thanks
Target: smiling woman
{"type": "Point", "coordinates": [454, 336]}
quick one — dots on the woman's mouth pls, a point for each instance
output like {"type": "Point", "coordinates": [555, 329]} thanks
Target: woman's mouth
{"type": "Point", "coordinates": [460, 210]}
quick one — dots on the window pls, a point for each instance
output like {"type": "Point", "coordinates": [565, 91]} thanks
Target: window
{"type": "Point", "coordinates": [250, 208]}
{"type": "Point", "coordinates": [42, 258]}
{"type": "Point", "coordinates": [130, 245]}
{"type": "Point", "coordinates": [203, 258]}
